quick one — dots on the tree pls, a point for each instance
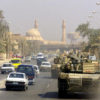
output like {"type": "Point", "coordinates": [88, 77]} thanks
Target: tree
{"type": "Point", "coordinates": [93, 37]}
{"type": "Point", "coordinates": [83, 29]}
{"type": "Point", "coordinates": [1, 14]}
{"type": "Point", "coordinates": [4, 35]}
{"type": "Point", "coordinates": [23, 46]}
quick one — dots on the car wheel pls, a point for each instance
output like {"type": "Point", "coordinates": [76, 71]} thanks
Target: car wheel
{"type": "Point", "coordinates": [7, 88]}
{"type": "Point", "coordinates": [62, 93]}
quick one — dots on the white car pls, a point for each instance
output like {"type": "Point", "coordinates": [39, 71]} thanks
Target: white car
{"type": "Point", "coordinates": [40, 55]}
{"type": "Point", "coordinates": [33, 57]}
{"type": "Point", "coordinates": [36, 69]}
{"type": "Point", "coordinates": [28, 59]}
{"type": "Point", "coordinates": [7, 67]}
{"type": "Point", "coordinates": [45, 66]}
{"type": "Point", "coordinates": [16, 80]}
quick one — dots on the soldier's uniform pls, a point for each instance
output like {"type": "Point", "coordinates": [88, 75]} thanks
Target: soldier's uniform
{"type": "Point", "coordinates": [66, 65]}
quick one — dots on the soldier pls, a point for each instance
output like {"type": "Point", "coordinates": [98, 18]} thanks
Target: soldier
{"type": "Point", "coordinates": [66, 65]}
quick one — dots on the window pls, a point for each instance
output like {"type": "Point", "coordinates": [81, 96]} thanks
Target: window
{"type": "Point", "coordinates": [15, 61]}
{"type": "Point", "coordinates": [7, 65]}
{"type": "Point", "coordinates": [14, 75]}
{"type": "Point", "coordinates": [45, 64]}
{"type": "Point", "coordinates": [25, 69]}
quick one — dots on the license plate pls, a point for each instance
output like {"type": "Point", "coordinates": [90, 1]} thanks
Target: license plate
{"type": "Point", "coordinates": [15, 83]}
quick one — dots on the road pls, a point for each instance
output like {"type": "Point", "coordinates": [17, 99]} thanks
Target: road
{"type": "Point", "coordinates": [45, 88]}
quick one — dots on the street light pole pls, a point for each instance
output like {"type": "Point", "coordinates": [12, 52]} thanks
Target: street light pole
{"type": "Point", "coordinates": [97, 3]}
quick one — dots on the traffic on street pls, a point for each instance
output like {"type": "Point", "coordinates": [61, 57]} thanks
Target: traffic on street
{"type": "Point", "coordinates": [49, 49]}
{"type": "Point", "coordinates": [45, 86]}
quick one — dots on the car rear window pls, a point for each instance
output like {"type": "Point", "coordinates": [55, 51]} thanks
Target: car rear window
{"type": "Point", "coordinates": [45, 63]}
{"type": "Point", "coordinates": [14, 75]}
{"type": "Point", "coordinates": [7, 65]}
{"type": "Point", "coordinates": [25, 69]}
{"type": "Point", "coordinates": [15, 61]}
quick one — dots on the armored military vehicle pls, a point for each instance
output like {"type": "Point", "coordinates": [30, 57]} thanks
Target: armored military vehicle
{"type": "Point", "coordinates": [78, 75]}
{"type": "Point", "coordinates": [55, 68]}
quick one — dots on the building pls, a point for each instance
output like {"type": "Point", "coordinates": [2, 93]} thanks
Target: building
{"type": "Point", "coordinates": [34, 34]}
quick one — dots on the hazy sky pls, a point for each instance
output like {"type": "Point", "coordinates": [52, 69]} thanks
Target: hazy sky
{"type": "Point", "coordinates": [21, 15]}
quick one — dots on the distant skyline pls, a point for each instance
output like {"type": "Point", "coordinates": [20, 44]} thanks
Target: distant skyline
{"type": "Point", "coordinates": [21, 14]}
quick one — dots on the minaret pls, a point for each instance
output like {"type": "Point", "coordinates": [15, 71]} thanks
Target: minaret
{"type": "Point", "coordinates": [63, 32]}
{"type": "Point", "coordinates": [36, 24]}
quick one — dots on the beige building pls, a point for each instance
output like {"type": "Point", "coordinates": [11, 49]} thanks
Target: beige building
{"type": "Point", "coordinates": [34, 34]}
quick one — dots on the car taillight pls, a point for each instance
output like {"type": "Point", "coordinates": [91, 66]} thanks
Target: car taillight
{"type": "Point", "coordinates": [30, 77]}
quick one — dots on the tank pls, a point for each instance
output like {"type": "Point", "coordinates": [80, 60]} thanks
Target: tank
{"type": "Point", "coordinates": [78, 75]}
{"type": "Point", "coordinates": [55, 68]}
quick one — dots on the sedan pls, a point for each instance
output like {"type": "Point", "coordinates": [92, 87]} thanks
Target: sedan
{"type": "Point", "coordinates": [16, 80]}
{"type": "Point", "coordinates": [29, 71]}
{"type": "Point", "coordinates": [45, 66]}
{"type": "Point", "coordinates": [27, 59]}
{"type": "Point", "coordinates": [7, 67]}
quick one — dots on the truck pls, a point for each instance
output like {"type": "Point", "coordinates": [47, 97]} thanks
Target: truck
{"type": "Point", "coordinates": [78, 75]}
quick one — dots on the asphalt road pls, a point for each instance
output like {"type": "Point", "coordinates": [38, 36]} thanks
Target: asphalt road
{"type": "Point", "coordinates": [45, 88]}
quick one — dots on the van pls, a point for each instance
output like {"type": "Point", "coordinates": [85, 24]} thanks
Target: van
{"type": "Point", "coordinates": [16, 62]}
{"type": "Point", "coordinates": [29, 71]}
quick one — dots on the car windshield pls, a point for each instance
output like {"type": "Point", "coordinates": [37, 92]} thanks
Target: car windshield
{"type": "Point", "coordinates": [35, 68]}
{"type": "Point", "coordinates": [28, 57]}
{"type": "Point", "coordinates": [14, 75]}
{"type": "Point", "coordinates": [7, 65]}
{"type": "Point", "coordinates": [40, 55]}
{"type": "Point", "coordinates": [45, 63]}
{"type": "Point", "coordinates": [25, 69]}
{"type": "Point", "coordinates": [42, 59]}
{"type": "Point", "coordinates": [15, 61]}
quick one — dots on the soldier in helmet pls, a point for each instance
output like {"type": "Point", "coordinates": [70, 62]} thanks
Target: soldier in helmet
{"type": "Point", "coordinates": [66, 65]}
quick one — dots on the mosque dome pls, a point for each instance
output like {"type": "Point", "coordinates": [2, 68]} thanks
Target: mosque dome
{"type": "Point", "coordinates": [34, 34]}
